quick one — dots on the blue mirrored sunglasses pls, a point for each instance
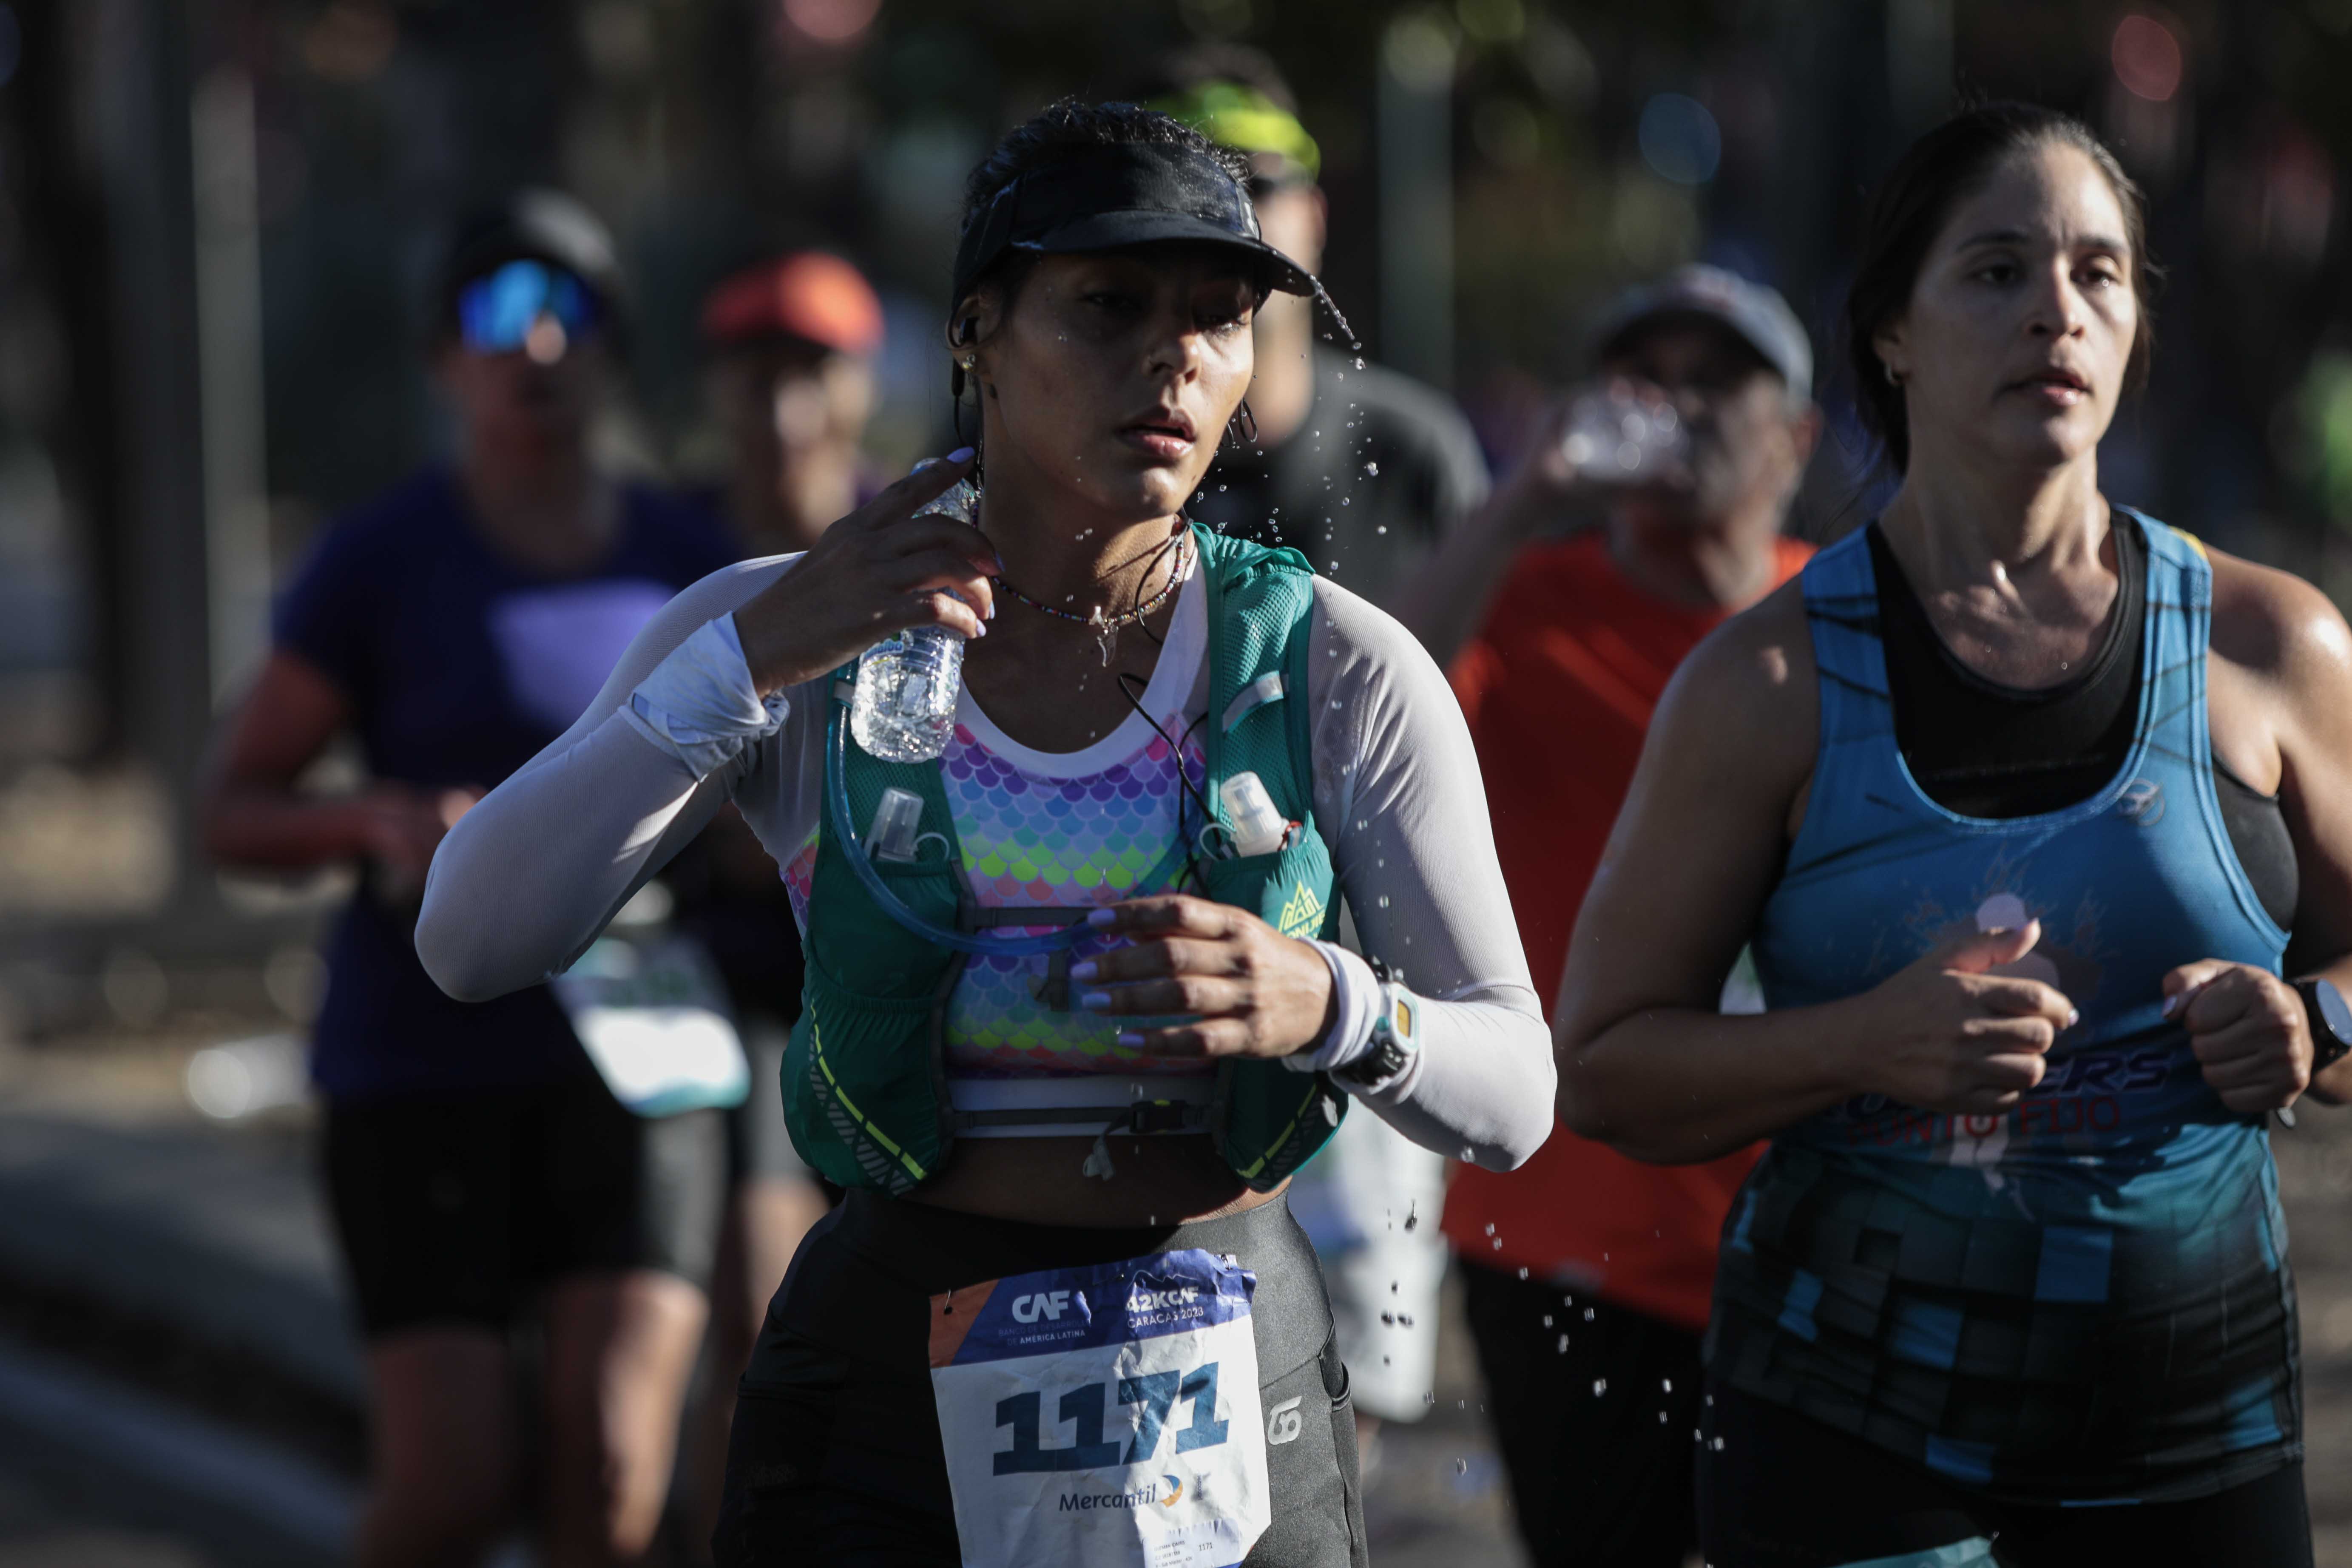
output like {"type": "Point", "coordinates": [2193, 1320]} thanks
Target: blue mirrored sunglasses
{"type": "Point", "coordinates": [496, 311]}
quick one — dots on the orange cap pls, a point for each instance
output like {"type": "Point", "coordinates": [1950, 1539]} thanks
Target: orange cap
{"type": "Point", "coordinates": [808, 294]}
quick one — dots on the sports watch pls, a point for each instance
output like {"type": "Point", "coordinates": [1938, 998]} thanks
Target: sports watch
{"type": "Point", "coordinates": [1395, 1035]}
{"type": "Point", "coordinates": [2331, 1022]}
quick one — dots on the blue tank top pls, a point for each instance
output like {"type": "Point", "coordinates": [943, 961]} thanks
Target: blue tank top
{"type": "Point", "coordinates": [2085, 1299]}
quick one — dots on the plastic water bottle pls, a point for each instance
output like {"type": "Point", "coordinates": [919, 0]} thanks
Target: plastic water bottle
{"type": "Point", "coordinates": [903, 710]}
{"type": "Point", "coordinates": [1614, 437]}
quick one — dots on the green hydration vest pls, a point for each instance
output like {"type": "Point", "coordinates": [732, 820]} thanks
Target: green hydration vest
{"type": "Point", "coordinates": [866, 1093]}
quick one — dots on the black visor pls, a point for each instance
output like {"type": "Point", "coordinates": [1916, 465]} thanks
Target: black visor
{"type": "Point", "coordinates": [1112, 197]}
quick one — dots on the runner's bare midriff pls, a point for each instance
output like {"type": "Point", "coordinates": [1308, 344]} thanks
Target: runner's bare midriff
{"type": "Point", "coordinates": [1039, 1180]}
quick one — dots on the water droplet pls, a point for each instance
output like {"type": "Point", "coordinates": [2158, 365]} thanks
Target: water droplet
{"type": "Point", "coordinates": [1383, 900]}
{"type": "Point", "coordinates": [1600, 1387]}
{"type": "Point", "coordinates": [1588, 1315]}
{"type": "Point", "coordinates": [1561, 1349]}
{"type": "Point", "coordinates": [1546, 1319]}
{"type": "Point", "coordinates": [1359, 365]}
{"type": "Point", "coordinates": [1461, 1467]}
{"type": "Point", "coordinates": [1523, 1273]}
{"type": "Point", "coordinates": [1667, 1384]}
{"type": "Point", "coordinates": [1490, 1230]}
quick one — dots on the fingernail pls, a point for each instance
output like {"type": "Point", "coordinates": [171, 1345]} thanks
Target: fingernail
{"type": "Point", "coordinates": [2074, 1016]}
{"type": "Point", "coordinates": [991, 611]}
{"type": "Point", "coordinates": [959, 455]}
{"type": "Point", "coordinates": [2172, 1002]}
{"type": "Point", "coordinates": [1083, 971]}
{"type": "Point", "coordinates": [1129, 1038]}
{"type": "Point", "coordinates": [1095, 1000]}
{"type": "Point", "coordinates": [1102, 917]}
{"type": "Point", "coordinates": [983, 628]}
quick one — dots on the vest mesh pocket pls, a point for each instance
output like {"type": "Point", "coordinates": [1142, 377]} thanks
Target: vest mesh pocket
{"type": "Point", "coordinates": [860, 1063]}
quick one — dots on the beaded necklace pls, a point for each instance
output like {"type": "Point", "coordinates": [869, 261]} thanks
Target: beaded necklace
{"type": "Point", "coordinates": [1107, 628]}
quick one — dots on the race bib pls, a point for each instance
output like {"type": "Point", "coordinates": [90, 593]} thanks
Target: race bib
{"type": "Point", "coordinates": [1106, 1416]}
{"type": "Point", "coordinates": [651, 1012]}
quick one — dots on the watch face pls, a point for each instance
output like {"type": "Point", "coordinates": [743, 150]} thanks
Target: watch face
{"type": "Point", "coordinates": [2334, 1011]}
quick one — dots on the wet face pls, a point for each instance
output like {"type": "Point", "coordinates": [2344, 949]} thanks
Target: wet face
{"type": "Point", "coordinates": [1748, 446]}
{"type": "Point", "coordinates": [1112, 374]}
{"type": "Point", "coordinates": [2014, 344]}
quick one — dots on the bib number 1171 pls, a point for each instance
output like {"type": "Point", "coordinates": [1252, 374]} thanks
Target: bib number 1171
{"type": "Point", "coordinates": [1083, 1409]}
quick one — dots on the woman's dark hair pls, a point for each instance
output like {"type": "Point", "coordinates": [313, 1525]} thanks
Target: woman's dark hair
{"type": "Point", "coordinates": [1939, 171]}
{"type": "Point", "coordinates": [1060, 132]}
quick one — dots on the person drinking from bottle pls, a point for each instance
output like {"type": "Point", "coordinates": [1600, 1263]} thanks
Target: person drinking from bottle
{"type": "Point", "coordinates": [1586, 1273]}
{"type": "Point", "coordinates": [2027, 805]}
{"type": "Point", "coordinates": [1073, 1013]}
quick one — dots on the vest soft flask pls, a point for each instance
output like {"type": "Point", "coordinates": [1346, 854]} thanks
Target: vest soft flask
{"type": "Point", "coordinates": [1259, 828]}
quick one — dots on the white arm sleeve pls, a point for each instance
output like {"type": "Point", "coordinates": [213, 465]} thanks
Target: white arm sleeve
{"type": "Point", "coordinates": [1399, 798]}
{"type": "Point", "coordinates": [528, 877]}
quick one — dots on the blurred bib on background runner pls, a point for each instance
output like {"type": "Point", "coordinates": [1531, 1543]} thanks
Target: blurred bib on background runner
{"type": "Point", "coordinates": [1106, 1416]}
{"type": "Point", "coordinates": [651, 1012]}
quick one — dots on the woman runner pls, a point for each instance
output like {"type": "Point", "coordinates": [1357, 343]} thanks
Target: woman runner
{"type": "Point", "coordinates": [2018, 795]}
{"type": "Point", "coordinates": [1027, 1336]}
{"type": "Point", "coordinates": [479, 1172]}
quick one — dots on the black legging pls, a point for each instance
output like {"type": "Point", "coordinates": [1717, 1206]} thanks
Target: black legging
{"type": "Point", "coordinates": [836, 1457]}
{"type": "Point", "coordinates": [1777, 1490]}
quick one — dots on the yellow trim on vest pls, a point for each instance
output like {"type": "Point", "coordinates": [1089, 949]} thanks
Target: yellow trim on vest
{"type": "Point", "coordinates": [816, 1046]}
{"type": "Point", "coordinates": [2194, 543]}
{"type": "Point", "coordinates": [1281, 1141]}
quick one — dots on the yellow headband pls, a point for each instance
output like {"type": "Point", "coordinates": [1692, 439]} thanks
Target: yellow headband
{"type": "Point", "coordinates": [1244, 118]}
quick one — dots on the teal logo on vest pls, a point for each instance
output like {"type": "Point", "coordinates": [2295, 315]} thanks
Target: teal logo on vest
{"type": "Point", "coordinates": [2142, 801]}
{"type": "Point", "coordinates": [1303, 915]}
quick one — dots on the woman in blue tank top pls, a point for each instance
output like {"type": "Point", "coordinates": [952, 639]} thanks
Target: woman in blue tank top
{"type": "Point", "coordinates": [2024, 805]}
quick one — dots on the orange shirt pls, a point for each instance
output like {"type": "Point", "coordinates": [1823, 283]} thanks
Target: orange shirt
{"type": "Point", "coordinates": [1558, 687]}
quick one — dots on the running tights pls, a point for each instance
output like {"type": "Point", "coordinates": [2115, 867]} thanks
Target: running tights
{"type": "Point", "coordinates": [1777, 1490]}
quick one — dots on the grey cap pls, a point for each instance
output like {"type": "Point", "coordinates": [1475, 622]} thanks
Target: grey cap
{"type": "Point", "coordinates": [1758, 314]}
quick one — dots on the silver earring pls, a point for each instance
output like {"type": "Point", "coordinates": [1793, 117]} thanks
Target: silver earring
{"type": "Point", "coordinates": [1892, 379]}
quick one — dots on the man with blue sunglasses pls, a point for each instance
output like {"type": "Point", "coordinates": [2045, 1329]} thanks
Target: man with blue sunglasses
{"type": "Point", "coordinates": [481, 1174]}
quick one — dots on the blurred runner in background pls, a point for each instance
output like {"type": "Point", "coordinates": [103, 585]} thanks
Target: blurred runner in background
{"type": "Point", "coordinates": [792, 345]}
{"type": "Point", "coordinates": [791, 382]}
{"type": "Point", "coordinates": [1362, 470]}
{"type": "Point", "coordinates": [481, 1174]}
{"type": "Point", "coordinates": [1587, 1274]}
